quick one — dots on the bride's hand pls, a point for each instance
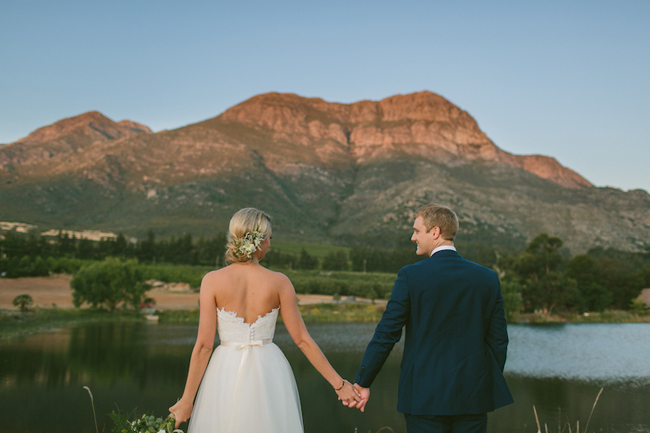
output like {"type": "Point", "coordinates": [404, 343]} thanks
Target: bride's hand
{"type": "Point", "coordinates": [348, 394]}
{"type": "Point", "coordinates": [181, 411]}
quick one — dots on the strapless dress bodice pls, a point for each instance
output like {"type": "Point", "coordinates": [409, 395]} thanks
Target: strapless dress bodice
{"type": "Point", "coordinates": [233, 330]}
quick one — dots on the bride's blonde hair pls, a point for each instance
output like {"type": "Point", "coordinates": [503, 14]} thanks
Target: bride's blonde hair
{"type": "Point", "coordinates": [244, 221]}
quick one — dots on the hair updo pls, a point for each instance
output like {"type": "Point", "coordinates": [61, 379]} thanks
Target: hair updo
{"type": "Point", "coordinates": [244, 221]}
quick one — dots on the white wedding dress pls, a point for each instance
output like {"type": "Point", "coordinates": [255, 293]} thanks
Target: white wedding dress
{"type": "Point", "coordinates": [248, 386]}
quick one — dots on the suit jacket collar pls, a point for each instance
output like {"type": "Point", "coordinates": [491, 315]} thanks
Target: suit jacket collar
{"type": "Point", "coordinates": [445, 253]}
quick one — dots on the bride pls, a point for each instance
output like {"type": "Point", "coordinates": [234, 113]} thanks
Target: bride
{"type": "Point", "coordinates": [247, 385]}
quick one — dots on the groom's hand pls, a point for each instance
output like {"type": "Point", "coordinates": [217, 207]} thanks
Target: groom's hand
{"type": "Point", "coordinates": [365, 396]}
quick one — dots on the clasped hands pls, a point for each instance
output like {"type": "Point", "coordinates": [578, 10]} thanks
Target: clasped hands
{"type": "Point", "coordinates": [358, 399]}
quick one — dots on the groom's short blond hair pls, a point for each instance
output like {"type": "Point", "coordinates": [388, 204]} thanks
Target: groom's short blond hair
{"type": "Point", "coordinates": [437, 215]}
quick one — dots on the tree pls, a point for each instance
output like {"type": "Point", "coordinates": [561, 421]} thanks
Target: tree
{"type": "Point", "coordinates": [108, 283]}
{"type": "Point", "coordinates": [25, 266]}
{"type": "Point", "coordinates": [306, 261]}
{"type": "Point", "coordinates": [551, 291]}
{"type": "Point", "coordinates": [119, 246]}
{"type": "Point", "coordinates": [86, 249]}
{"type": "Point", "coordinates": [372, 294]}
{"type": "Point", "coordinates": [40, 268]}
{"type": "Point", "coordinates": [13, 268]}
{"type": "Point", "coordinates": [511, 292]}
{"type": "Point", "coordinates": [335, 261]}
{"type": "Point", "coordinates": [277, 258]}
{"type": "Point", "coordinates": [592, 296]}
{"type": "Point", "coordinates": [146, 252]}
{"type": "Point", "coordinates": [540, 258]}
{"type": "Point", "coordinates": [22, 301]}
{"type": "Point", "coordinates": [545, 288]}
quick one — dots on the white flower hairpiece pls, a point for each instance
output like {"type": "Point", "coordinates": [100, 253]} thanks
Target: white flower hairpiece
{"type": "Point", "coordinates": [247, 245]}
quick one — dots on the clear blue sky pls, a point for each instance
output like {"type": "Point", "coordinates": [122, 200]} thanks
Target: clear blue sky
{"type": "Point", "coordinates": [565, 79]}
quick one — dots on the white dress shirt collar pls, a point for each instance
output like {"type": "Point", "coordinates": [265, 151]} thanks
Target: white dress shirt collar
{"type": "Point", "coordinates": [443, 248]}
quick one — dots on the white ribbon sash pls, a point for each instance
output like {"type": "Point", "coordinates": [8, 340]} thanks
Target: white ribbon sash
{"type": "Point", "coordinates": [251, 343]}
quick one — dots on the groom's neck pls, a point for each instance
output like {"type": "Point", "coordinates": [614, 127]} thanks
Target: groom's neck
{"type": "Point", "coordinates": [442, 242]}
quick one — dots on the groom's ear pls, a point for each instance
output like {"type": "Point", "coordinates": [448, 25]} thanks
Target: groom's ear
{"type": "Point", "coordinates": [435, 231]}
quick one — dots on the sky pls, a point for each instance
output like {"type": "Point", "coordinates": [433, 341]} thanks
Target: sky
{"type": "Point", "coordinates": [564, 79]}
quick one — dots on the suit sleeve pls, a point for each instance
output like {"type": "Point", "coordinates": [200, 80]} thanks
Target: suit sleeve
{"type": "Point", "coordinates": [387, 333]}
{"type": "Point", "coordinates": [496, 336]}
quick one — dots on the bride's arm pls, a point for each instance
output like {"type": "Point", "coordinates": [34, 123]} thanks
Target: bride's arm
{"type": "Point", "coordinates": [201, 352]}
{"type": "Point", "coordinates": [298, 331]}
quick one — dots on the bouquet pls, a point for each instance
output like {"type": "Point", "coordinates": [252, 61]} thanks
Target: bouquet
{"type": "Point", "coordinates": [147, 424]}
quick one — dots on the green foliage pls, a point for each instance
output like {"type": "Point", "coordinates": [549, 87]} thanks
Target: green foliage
{"type": "Point", "coordinates": [182, 250]}
{"type": "Point", "coordinates": [108, 283]}
{"type": "Point", "coordinates": [335, 261]}
{"type": "Point", "coordinates": [592, 296]}
{"type": "Point", "coordinates": [40, 268]}
{"type": "Point", "coordinates": [191, 275]}
{"type": "Point", "coordinates": [317, 250]}
{"type": "Point", "coordinates": [545, 287]}
{"type": "Point", "coordinates": [343, 284]}
{"type": "Point", "coordinates": [540, 258]}
{"type": "Point", "coordinates": [148, 423]}
{"type": "Point", "coordinates": [279, 259]}
{"type": "Point", "coordinates": [551, 291]}
{"type": "Point", "coordinates": [637, 306]}
{"type": "Point", "coordinates": [365, 259]}
{"type": "Point", "coordinates": [13, 270]}
{"type": "Point", "coordinates": [23, 301]}
{"type": "Point", "coordinates": [346, 312]}
{"type": "Point", "coordinates": [37, 267]}
{"type": "Point", "coordinates": [120, 421]}
{"type": "Point", "coordinates": [371, 294]}
{"type": "Point", "coordinates": [306, 261]}
{"type": "Point", "coordinates": [25, 266]}
{"type": "Point", "coordinates": [511, 292]}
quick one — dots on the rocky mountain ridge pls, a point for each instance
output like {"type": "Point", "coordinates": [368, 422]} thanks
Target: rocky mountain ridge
{"type": "Point", "coordinates": [326, 172]}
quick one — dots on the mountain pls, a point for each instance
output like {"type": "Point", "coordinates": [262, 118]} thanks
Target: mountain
{"type": "Point", "coordinates": [326, 172]}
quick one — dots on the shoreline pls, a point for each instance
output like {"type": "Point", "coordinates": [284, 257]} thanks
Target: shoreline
{"type": "Point", "coordinates": [14, 323]}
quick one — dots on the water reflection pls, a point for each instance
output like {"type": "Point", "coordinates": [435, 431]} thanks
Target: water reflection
{"type": "Point", "coordinates": [142, 365]}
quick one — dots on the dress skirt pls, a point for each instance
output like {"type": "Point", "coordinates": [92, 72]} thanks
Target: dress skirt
{"type": "Point", "coordinates": [247, 390]}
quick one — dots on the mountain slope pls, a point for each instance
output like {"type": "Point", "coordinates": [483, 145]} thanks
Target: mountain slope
{"type": "Point", "coordinates": [325, 171]}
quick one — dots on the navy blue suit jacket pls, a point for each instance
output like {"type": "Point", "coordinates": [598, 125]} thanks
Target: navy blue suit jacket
{"type": "Point", "coordinates": [456, 338]}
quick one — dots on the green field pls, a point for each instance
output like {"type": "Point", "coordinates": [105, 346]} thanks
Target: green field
{"type": "Point", "coordinates": [317, 250]}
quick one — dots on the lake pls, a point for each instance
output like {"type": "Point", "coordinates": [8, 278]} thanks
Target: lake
{"type": "Point", "coordinates": [557, 368]}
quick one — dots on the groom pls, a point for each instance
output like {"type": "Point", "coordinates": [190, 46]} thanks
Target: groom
{"type": "Point", "coordinates": [456, 338]}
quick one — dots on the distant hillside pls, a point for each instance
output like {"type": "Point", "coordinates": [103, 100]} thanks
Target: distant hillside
{"type": "Point", "coordinates": [327, 172]}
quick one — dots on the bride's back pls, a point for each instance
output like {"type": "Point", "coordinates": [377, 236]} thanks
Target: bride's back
{"type": "Point", "coordinates": [246, 289]}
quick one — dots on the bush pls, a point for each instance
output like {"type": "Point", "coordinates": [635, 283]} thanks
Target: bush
{"type": "Point", "coordinates": [637, 306]}
{"type": "Point", "coordinates": [107, 283]}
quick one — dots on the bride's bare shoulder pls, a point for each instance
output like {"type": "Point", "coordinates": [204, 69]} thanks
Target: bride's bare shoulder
{"type": "Point", "coordinates": [280, 279]}
{"type": "Point", "coordinates": [214, 277]}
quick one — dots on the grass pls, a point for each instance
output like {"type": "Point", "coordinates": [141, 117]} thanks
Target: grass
{"type": "Point", "coordinates": [320, 313]}
{"type": "Point", "coordinates": [15, 323]}
{"type": "Point", "coordinates": [567, 426]}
